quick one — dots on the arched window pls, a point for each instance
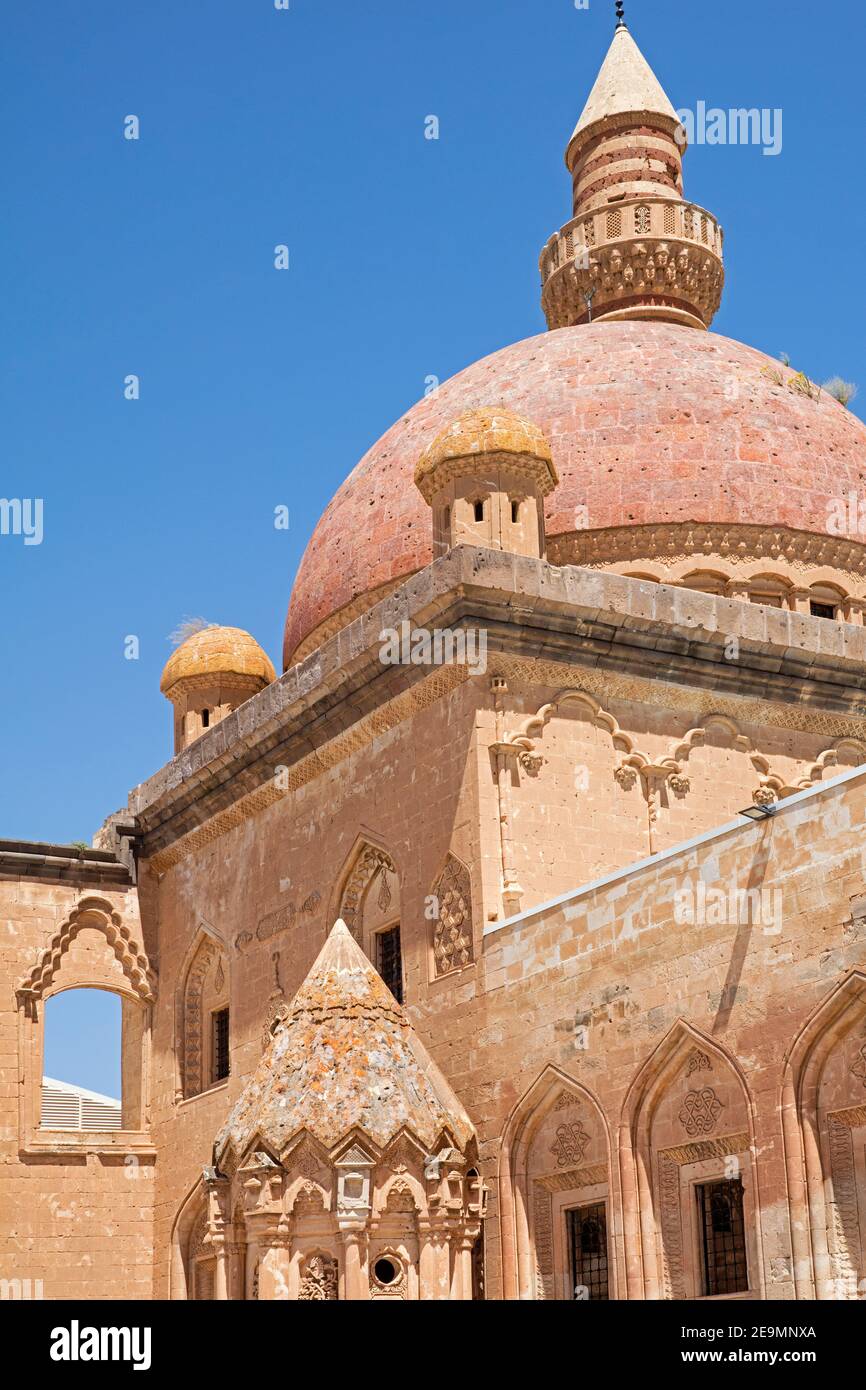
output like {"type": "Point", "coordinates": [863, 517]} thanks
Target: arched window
{"type": "Point", "coordinates": [705, 582]}
{"type": "Point", "coordinates": [369, 904]}
{"type": "Point", "coordinates": [82, 1061]}
{"type": "Point", "coordinates": [826, 602]}
{"type": "Point", "coordinates": [769, 590]}
{"type": "Point", "coordinates": [204, 1024]}
{"type": "Point", "coordinates": [84, 1020]}
{"type": "Point", "coordinates": [478, 508]}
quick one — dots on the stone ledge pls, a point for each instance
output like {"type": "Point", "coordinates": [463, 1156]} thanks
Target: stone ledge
{"type": "Point", "coordinates": [531, 609]}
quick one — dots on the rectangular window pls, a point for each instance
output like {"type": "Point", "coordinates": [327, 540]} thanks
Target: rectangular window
{"type": "Point", "coordinates": [220, 1046]}
{"type": "Point", "coordinates": [723, 1237]}
{"type": "Point", "coordinates": [587, 1239]}
{"type": "Point", "coordinates": [389, 961]}
{"type": "Point", "coordinates": [821, 610]}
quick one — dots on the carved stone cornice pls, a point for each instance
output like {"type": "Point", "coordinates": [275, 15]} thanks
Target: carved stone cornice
{"type": "Point", "coordinates": [799, 552]}
{"type": "Point", "coordinates": [610, 636]}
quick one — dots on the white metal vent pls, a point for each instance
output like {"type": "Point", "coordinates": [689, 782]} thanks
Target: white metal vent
{"type": "Point", "coordinates": [71, 1107]}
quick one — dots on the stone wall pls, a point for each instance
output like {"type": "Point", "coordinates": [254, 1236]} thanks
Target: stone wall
{"type": "Point", "coordinates": [76, 1210]}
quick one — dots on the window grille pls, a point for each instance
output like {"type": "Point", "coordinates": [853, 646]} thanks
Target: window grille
{"type": "Point", "coordinates": [587, 1237]}
{"type": "Point", "coordinates": [220, 1044]}
{"type": "Point", "coordinates": [723, 1237]}
{"type": "Point", "coordinates": [389, 961]}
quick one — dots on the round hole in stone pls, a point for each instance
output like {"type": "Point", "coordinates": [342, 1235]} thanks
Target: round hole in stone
{"type": "Point", "coordinates": [385, 1270]}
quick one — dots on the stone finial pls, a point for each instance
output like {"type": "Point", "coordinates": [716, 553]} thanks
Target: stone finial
{"type": "Point", "coordinates": [486, 476]}
{"type": "Point", "coordinates": [634, 249]}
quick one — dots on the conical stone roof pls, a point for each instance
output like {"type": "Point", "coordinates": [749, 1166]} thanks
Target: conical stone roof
{"type": "Point", "coordinates": [625, 84]}
{"type": "Point", "coordinates": [346, 1059]}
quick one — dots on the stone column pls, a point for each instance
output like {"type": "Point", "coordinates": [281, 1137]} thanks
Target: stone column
{"type": "Point", "coordinates": [356, 1278]}
{"type": "Point", "coordinates": [461, 1275]}
{"type": "Point", "coordinates": [435, 1262]}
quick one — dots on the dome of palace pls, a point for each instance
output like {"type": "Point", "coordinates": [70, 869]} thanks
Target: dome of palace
{"type": "Point", "coordinates": [217, 651]}
{"type": "Point", "coordinates": [648, 423]}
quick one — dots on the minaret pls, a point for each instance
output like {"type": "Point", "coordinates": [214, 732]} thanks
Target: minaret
{"type": "Point", "coordinates": [634, 249]}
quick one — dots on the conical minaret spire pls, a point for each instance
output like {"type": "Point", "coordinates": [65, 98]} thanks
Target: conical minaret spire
{"type": "Point", "coordinates": [634, 249]}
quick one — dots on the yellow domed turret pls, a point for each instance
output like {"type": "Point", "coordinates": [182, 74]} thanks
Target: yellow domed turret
{"type": "Point", "coordinates": [211, 673]}
{"type": "Point", "coordinates": [487, 431]}
{"type": "Point", "coordinates": [486, 476]}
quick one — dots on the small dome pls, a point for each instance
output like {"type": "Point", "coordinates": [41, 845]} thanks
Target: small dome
{"type": "Point", "coordinates": [488, 430]}
{"type": "Point", "coordinates": [217, 651]}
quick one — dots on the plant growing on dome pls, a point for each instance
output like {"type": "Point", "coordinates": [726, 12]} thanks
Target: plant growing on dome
{"type": "Point", "coordinates": [841, 391]}
{"type": "Point", "coordinates": [188, 628]}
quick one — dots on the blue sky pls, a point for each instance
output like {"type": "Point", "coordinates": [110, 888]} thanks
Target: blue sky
{"type": "Point", "coordinates": [408, 257]}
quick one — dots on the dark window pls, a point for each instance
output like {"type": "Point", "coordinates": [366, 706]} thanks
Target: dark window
{"type": "Point", "coordinates": [220, 1044]}
{"type": "Point", "coordinates": [478, 1268]}
{"type": "Point", "coordinates": [205, 718]}
{"type": "Point", "coordinates": [723, 1237]}
{"type": "Point", "coordinates": [515, 511]}
{"type": "Point", "coordinates": [389, 961]}
{"type": "Point", "coordinates": [385, 1270]}
{"type": "Point", "coordinates": [587, 1238]}
{"type": "Point", "coordinates": [821, 610]}
{"type": "Point", "coordinates": [479, 511]}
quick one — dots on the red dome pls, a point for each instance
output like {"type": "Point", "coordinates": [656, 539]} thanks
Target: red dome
{"type": "Point", "coordinates": [648, 423]}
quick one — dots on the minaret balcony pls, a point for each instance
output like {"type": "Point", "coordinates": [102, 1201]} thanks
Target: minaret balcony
{"type": "Point", "coordinates": [651, 257]}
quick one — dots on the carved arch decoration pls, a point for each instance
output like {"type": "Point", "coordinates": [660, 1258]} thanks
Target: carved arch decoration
{"type": "Point", "coordinates": [537, 1170]}
{"type": "Point", "coordinates": [688, 1110]}
{"type": "Point", "coordinates": [99, 913]}
{"type": "Point", "coordinates": [372, 871]}
{"type": "Point", "coordinates": [773, 787]}
{"type": "Point", "coordinates": [452, 936]}
{"type": "Point", "coordinates": [824, 1125]}
{"type": "Point", "coordinates": [184, 1233]}
{"type": "Point", "coordinates": [204, 987]}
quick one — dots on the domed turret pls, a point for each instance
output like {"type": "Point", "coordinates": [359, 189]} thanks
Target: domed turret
{"type": "Point", "coordinates": [486, 476]}
{"type": "Point", "coordinates": [210, 674]}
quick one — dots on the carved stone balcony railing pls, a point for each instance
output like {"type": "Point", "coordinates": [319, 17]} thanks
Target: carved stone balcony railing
{"type": "Point", "coordinates": [642, 258]}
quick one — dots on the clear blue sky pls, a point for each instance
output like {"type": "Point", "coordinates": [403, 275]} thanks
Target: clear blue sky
{"type": "Point", "coordinates": [408, 257]}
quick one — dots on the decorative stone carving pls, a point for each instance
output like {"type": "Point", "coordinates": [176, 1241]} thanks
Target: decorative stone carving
{"type": "Point", "coordinates": [698, 1061]}
{"type": "Point", "coordinates": [319, 1279]}
{"type": "Point", "coordinates": [764, 796]}
{"type": "Point", "coordinates": [700, 1111]}
{"type": "Point", "coordinates": [192, 1062]}
{"type": "Point", "coordinates": [277, 921]}
{"type": "Point", "coordinates": [859, 1067]}
{"type": "Point", "coordinates": [570, 1144]}
{"type": "Point", "coordinates": [371, 862]}
{"type": "Point", "coordinates": [566, 1101]}
{"type": "Point", "coordinates": [93, 912]}
{"type": "Point", "coordinates": [452, 933]}
{"type": "Point", "coordinates": [277, 1015]}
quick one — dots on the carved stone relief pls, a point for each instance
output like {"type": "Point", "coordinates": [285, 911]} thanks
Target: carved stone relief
{"type": "Point", "coordinates": [452, 931]}
{"type": "Point", "coordinates": [319, 1279]}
